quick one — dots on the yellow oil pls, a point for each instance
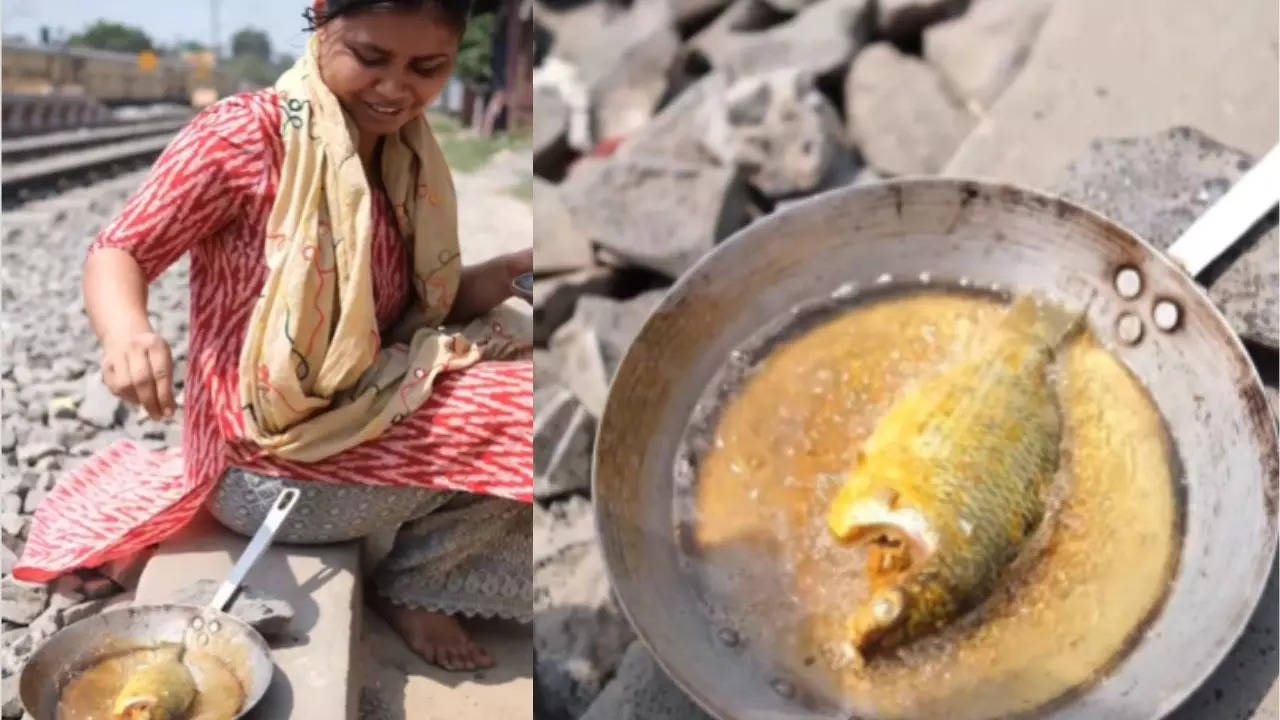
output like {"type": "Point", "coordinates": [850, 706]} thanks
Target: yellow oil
{"type": "Point", "coordinates": [91, 693]}
{"type": "Point", "coordinates": [780, 451]}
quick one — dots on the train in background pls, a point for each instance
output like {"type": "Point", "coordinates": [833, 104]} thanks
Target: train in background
{"type": "Point", "coordinates": [50, 87]}
{"type": "Point", "coordinates": [112, 78]}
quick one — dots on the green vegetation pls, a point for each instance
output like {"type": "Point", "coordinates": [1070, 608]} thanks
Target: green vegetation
{"type": "Point", "coordinates": [250, 62]}
{"type": "Point", "coordinates": [467, 151]}
{"type": "Point", "coordinates": [475, 51]}
{"type": "Point", "coordinates": [107, 35]}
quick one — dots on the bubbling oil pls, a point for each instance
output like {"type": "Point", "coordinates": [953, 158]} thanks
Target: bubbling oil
{"type": "Point", "coordinates": [781, 447]}
{"type": "Point", "coordinates": [91, 694]}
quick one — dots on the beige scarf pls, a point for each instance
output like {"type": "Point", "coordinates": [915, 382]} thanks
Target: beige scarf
{"type": "Point", "coordinates": [315, 378]}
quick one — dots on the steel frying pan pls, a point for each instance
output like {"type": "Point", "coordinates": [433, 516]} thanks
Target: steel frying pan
{"type": "Point", "coordinates": [1184, 353]}
{"type": "Point", "coordinates": [241, 648]}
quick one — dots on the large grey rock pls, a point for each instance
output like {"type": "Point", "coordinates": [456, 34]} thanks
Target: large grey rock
{"type": "Point", "coordinates": [622, 56]}
{"type": "Point", "coordinates": [979, 53]}
{"type": "Point", "coordinates": [641, 691]}
{"type": "Point", "coordinates": [554, 298]}
{"type": "Point", "coordinates": [1157, 186]}
{"type": "Point", "coordinates": [563, 435]}
{"type": "Point", "coordinates": [267, 614]}
{"type": "Point", "coordinates": [1089, 76]}
{"type": "Point", "coordinates": [100, 407]}
{"type": "Point", "coordinates": [17, 648]}
{"type": "Point", "coordinates": [678, 132]}
{"type": "Point", "coordinates": [80, 611]}
{"type": "Point", "coordinates": [625, 97]}
{"type": "Point", "coordinates": [783, 133]}
{"type": "Point", "coordinates": [579, 633]}
{"type": "Point", "coordinates": [821, 39]}
{"type": "Point", "coordinates": [550, 132]}
{"type": "Point", "coordinates": [611, 325]}
{"type": "Point", "coordinates": [903, 19]}
{"type": "Point", "coordinates": [558, 243]}
{"type": "Point", "coordinates": [12, 707]}
{"type": "Point", "coordinates": [23, 601]}
{"type": "Point", "coordinates": [900, 115]}
{"type": "Point", "coordinates": [659, 215]}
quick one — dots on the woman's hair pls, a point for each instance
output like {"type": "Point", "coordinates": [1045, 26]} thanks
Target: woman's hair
{"type": "Point", "coordinates": [454, 13]}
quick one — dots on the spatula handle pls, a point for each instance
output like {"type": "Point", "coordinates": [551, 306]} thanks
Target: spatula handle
{"type": "Point", "coordinates": [270, 526]}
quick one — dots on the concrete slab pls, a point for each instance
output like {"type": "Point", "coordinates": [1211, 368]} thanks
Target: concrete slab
{"type": "Point", "coordinates": [314, 674]}
{"type": "Point", "coordinates": [400, 686]}
{"type": "Point", "coordinates": [1121, 69]}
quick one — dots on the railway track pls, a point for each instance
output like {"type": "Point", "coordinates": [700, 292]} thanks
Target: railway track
{"type": "Point", "coordinates": [38, 166]}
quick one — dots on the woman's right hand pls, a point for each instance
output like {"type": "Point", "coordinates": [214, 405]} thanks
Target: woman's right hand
{"type": "Point", "coordinates": [138, 368]}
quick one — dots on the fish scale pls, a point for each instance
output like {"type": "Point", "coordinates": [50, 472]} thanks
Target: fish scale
{"type": "Point", "coordinates": [967, 455]}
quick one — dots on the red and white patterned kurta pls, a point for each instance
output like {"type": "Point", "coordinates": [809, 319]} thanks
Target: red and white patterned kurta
{"type": "Point", "coordinates": [210, 194]}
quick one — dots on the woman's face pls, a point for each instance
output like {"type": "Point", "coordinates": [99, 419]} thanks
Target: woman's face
{"type": "Point", "coordinates": [386, 67]}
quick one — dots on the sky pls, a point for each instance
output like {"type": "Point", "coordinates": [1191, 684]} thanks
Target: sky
{"type": "Point", "coordinates": [166, 21]}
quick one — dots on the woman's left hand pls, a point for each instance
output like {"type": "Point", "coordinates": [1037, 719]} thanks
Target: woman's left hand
{"type": "Point", "coordinates": [518, 263]}
{"type": "Point", "coordinates": [488, 285]}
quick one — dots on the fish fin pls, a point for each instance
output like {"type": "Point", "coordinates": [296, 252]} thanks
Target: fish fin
{"type": "Point", "coordinates": [1048, 323]}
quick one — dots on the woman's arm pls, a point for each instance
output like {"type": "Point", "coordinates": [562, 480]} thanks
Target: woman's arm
{"type": "Point", "coordinates": [487, 285]}
{"type": "Point", "coordinates": [193, 190]}
{"type": "Point", "coordinates": [136, 362]}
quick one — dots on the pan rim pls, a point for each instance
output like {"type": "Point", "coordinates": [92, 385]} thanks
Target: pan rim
{"type": "Point", "coordinates": [1258, 576]}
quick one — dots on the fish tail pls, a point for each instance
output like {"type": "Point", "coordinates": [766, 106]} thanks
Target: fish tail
{"type": "Point", "coordinates": [1046, 323]}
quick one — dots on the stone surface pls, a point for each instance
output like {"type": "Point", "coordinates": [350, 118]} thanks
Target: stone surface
{"type": "Point", "coordinates": [80, 611]}
{"type": "Point", "coordinates": [320, 582]}
{"type": "Point", "coordinates": [641, 691]}
{"type": "Point", "coordinates": [550, 133]}
{"type": "Point", "coordinates": [979, 53]}
{"type": "Point", "coordinates": [267, 614]}
{"type": "Point", "coordinates": [563, 435]}
{"type": "Point", "coordinates": [554, 298]}
{"type": "Point", "coordinates": [1208, 69]}
{"type": "Point", "coordinates": [1244, 685]}
{"type": "Point", "coordinates": [625, 97]}
{"type": "Point", "coordinates": [12, 707]}
{"type": "Point", "coordinates": [903, 19]}
{"type": "Point", "coordinates": [900, 115]}
{"type": "Point", "coordinates": [558, 243]}
{"type": "Point", "coordinates": [100, 408]}
{"type": "Point", "coordinates": [23, 601]}
{"type": "Point", "coordinates": [678, 132]}
{"type": "Point", "coordinates": [1157, 186]}
{"type": "Point", "coordinates": [620, 57]}
{"type": "Point", "coordinates": [612, 325]}
{"type": "Point", "coordinates": [821, 39]}
{"type": "Point", "coordinates": [662, 216]}
{"type": "Point", "coordinates": [783, 133]}
{"type": "Point", "coordinates": [579, 632]}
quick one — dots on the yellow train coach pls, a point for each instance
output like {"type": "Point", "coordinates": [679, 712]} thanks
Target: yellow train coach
{"type": "Point", "coordinates": [111, 78]}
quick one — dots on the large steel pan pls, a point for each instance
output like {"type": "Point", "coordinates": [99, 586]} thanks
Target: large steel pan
{"type": "Point", "coordinates": [210, 629]}
{"type": "Point", "coordinates": [1197, 371]}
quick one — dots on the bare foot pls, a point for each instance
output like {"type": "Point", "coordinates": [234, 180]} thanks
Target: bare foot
{"type": "Point", "coordinates": [437, 637]}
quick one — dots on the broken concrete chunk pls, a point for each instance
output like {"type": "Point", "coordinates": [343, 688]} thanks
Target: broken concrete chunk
{"type": "Point", "coordinates": [23, 601]}
{"type": "Point", "coordinates": [641, 690]}
{"type": "Point", "coordinates": [662, 216]}
{"type": "Point", "coordinates": [783, 133]}
{"type": "Point", "coordinates": [819, 40]}
{"type": "Point", "coordinates": [979, 53]}
{"type": "Point", "coordinates": [1157, 186]}
{"type": "Point", "coordinates": [900, 115]}
{"type": "Point", "coordinates": [267, 614]}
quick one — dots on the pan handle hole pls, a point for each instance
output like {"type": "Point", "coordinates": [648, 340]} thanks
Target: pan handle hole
{"type": "Point", "coordinates": [1128, 282]}
{"type": "Point", "coordinates": [1166, 315]}
{"type": "Point", "coordinates": [1129, 328]}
